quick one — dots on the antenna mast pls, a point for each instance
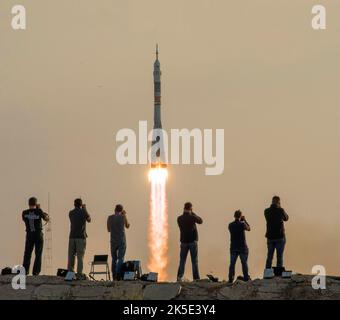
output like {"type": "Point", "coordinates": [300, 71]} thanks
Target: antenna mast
{"type": "Point", "coordinates": [48, 263]}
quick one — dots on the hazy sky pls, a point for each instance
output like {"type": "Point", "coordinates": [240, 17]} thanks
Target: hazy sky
{"type": "Point", "coordinates": [83, 69]}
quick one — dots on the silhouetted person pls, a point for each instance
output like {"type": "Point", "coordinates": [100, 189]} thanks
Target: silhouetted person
{"type": "Point", "coordinates": [34, 236]}
{"type": "Point", "coordinates": [116, 225]}
{"type": "Point", "coordinates": [77, 242]}
{"type": "Point", "coordinates": [238, 245]}
{"type": "Point", "coordinates": [189, 238]}
{"type": "Point", "coordinates": [276, 238]}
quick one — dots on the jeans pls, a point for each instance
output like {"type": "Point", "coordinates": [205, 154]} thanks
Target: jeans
{"type": "Point", "coordinates": [185, 248]}
{"type": "Point", "coordinates": [118, 254]}
{"type": "Point", "coordinates": [244, 261]}
{"type": "Point", "coordinates": [76, 247]}
{"type": "Point", "coordinates": [34, 240]}
{"type": "Point", "coordinates": [279, 246]}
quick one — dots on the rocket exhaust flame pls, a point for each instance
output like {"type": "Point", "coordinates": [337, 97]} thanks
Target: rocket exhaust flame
{"type": "Point", "coordinates": [158, 224]}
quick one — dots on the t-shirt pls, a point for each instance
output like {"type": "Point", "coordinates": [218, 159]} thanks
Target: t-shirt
{"type": "Point", "coordinates": [116, 226]}
{"type": "Point", "coordinates": [275, 218]}
{"type": "Point", "coordinates": [238, 236]}
{"type": "Point", "coordinates": [187, 225]}
{"type": "Point", "coordinates": [33, 220]}
{"type": "Point", "coordinates": [78, 219]}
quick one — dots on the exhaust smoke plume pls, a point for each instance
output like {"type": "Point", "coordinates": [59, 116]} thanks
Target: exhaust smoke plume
{"type": "Point", "coordinates": [158, 224]}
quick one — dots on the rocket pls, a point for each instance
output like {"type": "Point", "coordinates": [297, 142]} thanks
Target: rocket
{"type": "Point", "coordinates": [157, 146]}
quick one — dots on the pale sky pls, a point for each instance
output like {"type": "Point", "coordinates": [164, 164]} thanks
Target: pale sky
{"type": "Point", "coordinates": [83, 70]}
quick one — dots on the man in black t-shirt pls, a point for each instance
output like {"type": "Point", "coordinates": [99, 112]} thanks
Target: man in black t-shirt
{"type": "Point", "coordinates": [77, 240]}
{"type": "Point", "coordinates": [34, 236]}
{"type": "Point", "coordinates": [189, 237]}
{"type": "Point", "coordinates": [238, 245]}
{"type": "Point", "coordinates": [276, 238]}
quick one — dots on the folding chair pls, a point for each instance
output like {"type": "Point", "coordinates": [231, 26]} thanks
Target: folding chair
{"type": "Point", "coordinates": [100, 260]}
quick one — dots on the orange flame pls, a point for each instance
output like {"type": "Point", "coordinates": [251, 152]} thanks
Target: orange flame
{"type": "Point", "coordinates": [158, 226]}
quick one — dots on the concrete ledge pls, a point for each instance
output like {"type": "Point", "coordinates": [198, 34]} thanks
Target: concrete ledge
{"type": "Point", "coordinates": [54, 288]}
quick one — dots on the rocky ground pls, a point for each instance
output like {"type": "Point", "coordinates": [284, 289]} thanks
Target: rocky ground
{"type": "Point", "coordinates": [51, 287]}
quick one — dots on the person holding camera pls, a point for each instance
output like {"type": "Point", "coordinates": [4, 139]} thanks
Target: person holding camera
{"type": "Point", "coordinates": [32, 218]}
{"type": "Point", "coordinates": [189, 238]}
{"type": "Point", "coordinates": [276, 239]}
{"type": "Point", "coordinates": [116, 224]}
{"type": "Point", "coordinates": [77, 239]}
{"type": "Point", "coordinates": [238, 245]}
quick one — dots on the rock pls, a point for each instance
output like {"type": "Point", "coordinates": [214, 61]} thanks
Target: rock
{"type": "Point", "coordinates": [200, 290]}
{"type": "Point", "coordinates": [54, 288]}
{"type": "Point", "coordinates": [298, 278]}
{"type": "Point", "coordinates": [90, 292]}
{"type": "Point", "coordinates": [271, 287]}
{"type": "Point", "coordinates": [167, 291]}
{"type": "Point", "coordinates": [6, 279]}
{"type": "Point", "coordinates": [8, 293]}
{"type": "Point", "coordinates": [238, 291]}
{"type": "Point", "coordinates": [53, 292]}
{"type": "Point", "coordinates": [126, 291]}
{"type": "Point", "coordinates": [334, 287]}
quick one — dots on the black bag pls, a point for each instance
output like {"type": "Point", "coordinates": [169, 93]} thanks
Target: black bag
{"type": "Point", "coordinates": [144, 277]}
{"type": "Point", "coordinates": [6, 271]}
{"type": "Point", "coordinates": [132, 266]}
{"type": "Point", "coordinates": [62, 273]}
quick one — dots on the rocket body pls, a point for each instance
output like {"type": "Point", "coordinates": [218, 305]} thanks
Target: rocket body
{"type": "Point", "coordinates": [157, 93]}
{"type": "Point", "coordinates": [157, 149]}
